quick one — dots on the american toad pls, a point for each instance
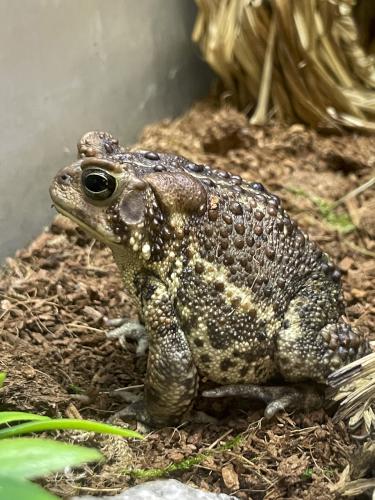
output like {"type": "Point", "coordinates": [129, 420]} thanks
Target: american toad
{"type": "Point", "coordinates": [226, 284]}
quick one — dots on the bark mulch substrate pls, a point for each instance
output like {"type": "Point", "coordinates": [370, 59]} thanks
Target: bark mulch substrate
{"type": "Point", "coordinates": [56, 294]}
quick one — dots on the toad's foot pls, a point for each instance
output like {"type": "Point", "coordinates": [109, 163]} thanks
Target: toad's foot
{"type": "Point", "coordinates": [137, 411]}
{"type": "Point", "coordinates": [277, 398]}
{"type": "Point", "coordinates": [134, 412]}
{"type": "Point", "coordinates": [128, 329]}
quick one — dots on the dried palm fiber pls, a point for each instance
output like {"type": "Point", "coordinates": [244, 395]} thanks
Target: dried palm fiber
{"type": "Point", "coordinates": [310, 61]}
{"type": "Point", "coordinates": [354, 387]}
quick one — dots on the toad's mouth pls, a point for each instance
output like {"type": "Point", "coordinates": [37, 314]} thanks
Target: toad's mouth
{"type": "Point", "coordinates": [106, 237]}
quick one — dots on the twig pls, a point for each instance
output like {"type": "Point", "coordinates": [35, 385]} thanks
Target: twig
{"type": "Point", "coordinates": [355, 192]}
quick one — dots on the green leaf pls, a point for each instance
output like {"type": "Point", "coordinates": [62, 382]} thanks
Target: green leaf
{"type": "Point", "coordinates": [68, 423]}
{"type": "Point", "coordinates": [27, 458]}
{"type": "Point", "coordinates": [16, 416]}
{"type": "Point", "coordinates": [3, 376]}
{"type": "Point", "coordinates": [16, 489]}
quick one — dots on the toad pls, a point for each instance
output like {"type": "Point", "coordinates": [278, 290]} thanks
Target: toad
{"type": "Point", "coordinates": [227, 286]}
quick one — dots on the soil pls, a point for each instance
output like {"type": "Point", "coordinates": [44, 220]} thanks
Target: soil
{"type": "Point", "coordinates": [56, 294]}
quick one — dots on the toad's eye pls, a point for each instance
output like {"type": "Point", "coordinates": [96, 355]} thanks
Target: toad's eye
{"type": "Point", "coordinates": [98, 184]}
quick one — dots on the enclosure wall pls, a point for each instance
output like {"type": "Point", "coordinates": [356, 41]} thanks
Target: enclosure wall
{"type": "Point", "coordinates": [69, 66]}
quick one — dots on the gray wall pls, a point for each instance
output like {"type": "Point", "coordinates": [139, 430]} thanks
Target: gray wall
{"type": "Point", "coordinates": [70, 66]}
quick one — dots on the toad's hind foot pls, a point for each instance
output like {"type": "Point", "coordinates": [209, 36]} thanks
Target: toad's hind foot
{"type": "Point", "coordinates": [277, 398]}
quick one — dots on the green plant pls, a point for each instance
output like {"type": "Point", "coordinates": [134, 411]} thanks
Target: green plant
{"type": "Point", "coordinates": [307, 474]}
{"type": "Point", "coordinates": [154, 473]}
{"type": "Point", "coordinates": [23, 459]}
{"type": "Point", "coordinates": [37, 423]}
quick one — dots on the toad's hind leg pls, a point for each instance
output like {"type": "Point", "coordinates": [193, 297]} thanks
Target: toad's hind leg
{"type": "Point", "coordinates": [277, 398]}
{"type": "Point", "coordinates": [315, 339]}
{"type": "Point", "coordinates": [313, 342]}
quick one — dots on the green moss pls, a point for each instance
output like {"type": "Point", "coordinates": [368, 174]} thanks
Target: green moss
{"type": "Point", "coordinates": [232, 443]}
{"type": "Point", "coordinates": [339, 220]}
{"type": "Point", "coordinates": [75, 389]}
{"type": "Point", "coordinates": [307, 474]}
{"type": "Point", "coordinates": [328, 471]}
{"type": "Point", "coordinates": [185, 464]}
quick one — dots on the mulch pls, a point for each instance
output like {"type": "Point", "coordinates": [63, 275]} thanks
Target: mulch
{"type": "Point", "coordinates": [56, 294]}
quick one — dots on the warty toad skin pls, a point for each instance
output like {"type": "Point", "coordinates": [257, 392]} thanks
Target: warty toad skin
{"type": "Point", "coordinates": [226, 284]}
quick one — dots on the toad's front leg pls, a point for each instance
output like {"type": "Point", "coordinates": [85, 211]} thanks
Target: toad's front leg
{"type": "Point", "coordinates": [125, 329]}
{"type": "Point", "coordinates": [171, 382]}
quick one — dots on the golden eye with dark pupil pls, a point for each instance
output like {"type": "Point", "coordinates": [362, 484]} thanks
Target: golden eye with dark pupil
{"type": "Point", "coordinates": [98, 184]}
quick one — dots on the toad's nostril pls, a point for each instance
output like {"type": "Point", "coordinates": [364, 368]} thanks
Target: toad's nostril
{"type": "Point", "coordinates": [65, 179]}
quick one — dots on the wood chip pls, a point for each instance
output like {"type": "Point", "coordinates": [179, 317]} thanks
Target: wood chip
{"type": "Point", "coordinates": [230, 477]}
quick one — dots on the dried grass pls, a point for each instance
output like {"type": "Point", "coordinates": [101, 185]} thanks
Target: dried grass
{"type": "Point", "coordinates": [356, 384]}
{"type": "Point", "coordinates": [308, 61]}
